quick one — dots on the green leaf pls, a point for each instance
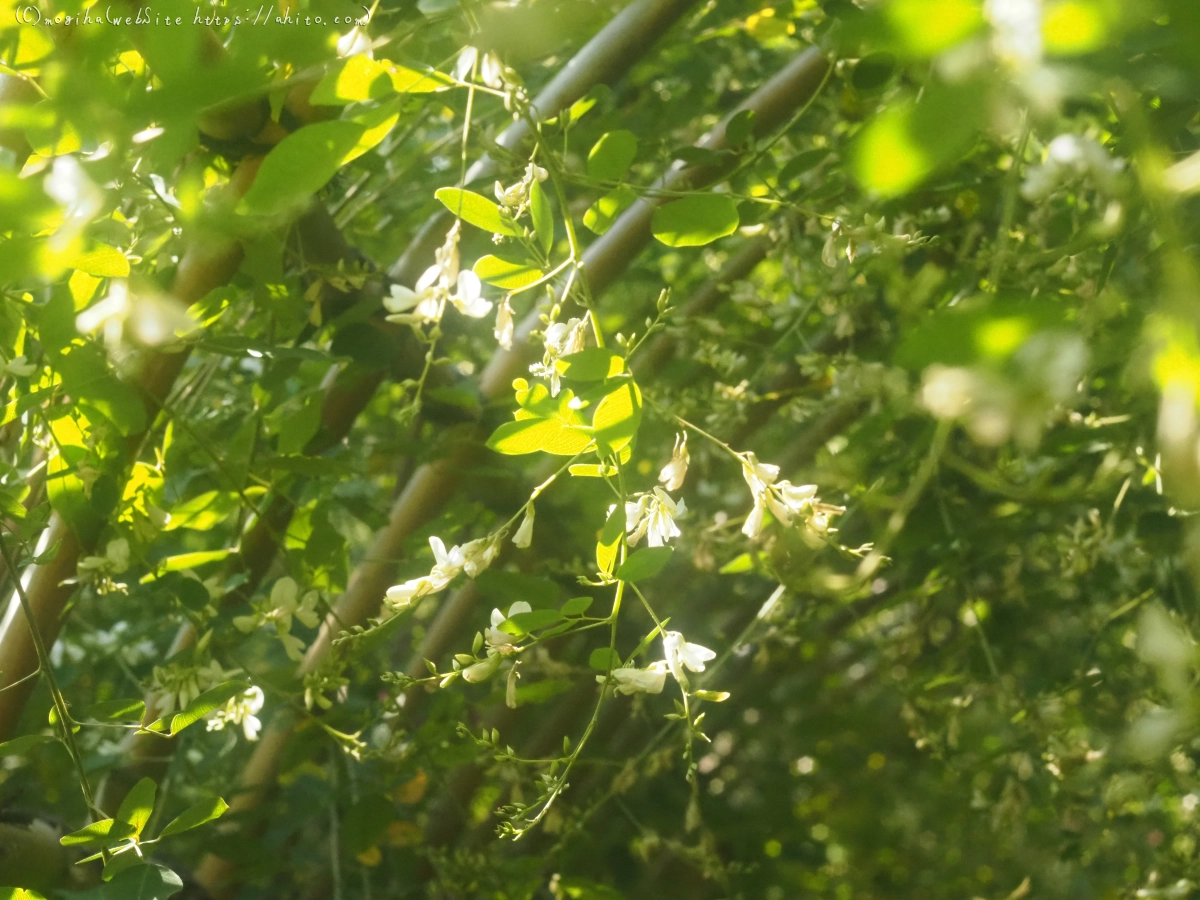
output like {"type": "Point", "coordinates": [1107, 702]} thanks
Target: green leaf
{"type": "Point", "coordinates": [98, 834]}
{"type": "Point", "coordinates": [101, 261]}
{"type": "Point", "coordinates": [116, 711]}
{"type": "Point", "coordinates": [300, 165]}
{"type": "Point", "coordinates": [206, 703]}
{"type": "Point", "coordinates": [119, 862]}
{"type": "Point", "coordinates": [137, 806]}
{"type": "Point", "coordinates": [593, 364]}
{"type": "Point", "coordinates": [506, 274]}
{"type": "Point", "coordinates": [523, 623]}
{"type": "Point", "coordinates": [376, 123]}
{"type": "Point", "coordinates": [601, 214]}
{"type": "Point", "coordinates": [543, 216]}
{"type": "Point", "coordinates": [10, 506]}
{"type": "Point", "coordinates": [694, 221]}
{"type": "Point", "coordinates": [410, 81]}
{"type": "Point", "coordinates": [16, 893]}
{"type": "Point", "coordinates": [541, 691]}
{"type": "Point", "coordinates": [581, 470]}
{"type": "Point", "coordinates": [617, 418]}
{"type": "Point", "coordinates": [713, 696]}
{"type": "Point", "coordinates": [195, 816]}
{"type": "Point", "coordinates": [185, 561]}
{"type": "Point", "coordinates": [203, 511]}
{"type": "Point", "coordinates": [478, 211]}
{"type": "Point", "coordinates": [612, 155]}
{"type": "Point", "coordinates": [23, 744]}
{"type": "Point", "coordinates": [354, 80]}
{"type": "Point", "coordinates": [610, 540]}
{"type": "Point", "coordinates": [149, 882]}
{"type": "Point", "coordinates": [645, 563]}
{"type": "Point", "coordinates": [576, 606]}
{"type": "Point", "coordinates": [740, 129]}
{"type": "Point", "coordinates": [801, 163]}
{"type": "Point", "coordinates": [602, 659]}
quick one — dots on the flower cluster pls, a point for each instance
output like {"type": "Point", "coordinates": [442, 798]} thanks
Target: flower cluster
{"type": "Point", "coordinates": [473, 558]}
{"type": "Point", "coordinates": [562, 339]}
{"type": "Point", "coordinates": [99, 570]}
{"type": "Point", "coordinates": [785, 500]}
{"type": "Point", "coordinates": [515, 198]}
{"type": "Point", "coordinates": [679, 655]}
{"type": "Point", "coordinates": [652, 515]}
{"type": "Point", "coordinates": [440, 284]}
{"type": "Point", "coordinates": [284, 604]}
{"type": "Point", "coordinates": [241, 710]}
{"type": "Point", "coordinates": [176, 686]}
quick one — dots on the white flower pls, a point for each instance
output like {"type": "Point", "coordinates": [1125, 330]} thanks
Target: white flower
{"type": "Point", "coordinates": [524, 536]}
{"type": "Point", "coordinates": [178, 686]}
{"type": "Point", "coordinates": [680, 655]}
{"type": "Point", "coordinates": [478, 555]}
{"type": "Point", "coordinates": [285, 603]}
{"type": "Point", "coordinates": [500, 639]}
{"type": "Point", "coordinates": [492, 71]}
{"type": "Point", "coordinates": [241, 710]}
{"type": "Point", "coordinates": [353, 42]}
{"type": "Point", "coordinates": [649, 680]}
{"type": "Point", "coordinates": [468, 299]}
{"type": "Point", "coordinates": [674, 472]}
{"type": "Point", "coordinates": [483, 670]}
{"type": "Point", "coordinates": [653, 515]}
{"type": "Point", "coordinates": [428, 298]}
{"type": "Point", "coordinates": [466, 62]}
{"type": "Point", "coordinates": [562, 339]}
{"type": "Point", "coordinates": [74, 191]}
{"type": "Point", "coordinates": [1016, 31]}
{"type": "Point", "coordinates": [784, 499]}
{"type": "Point", "coordinates": [1071, 156]}
{"type": "Point", "coordinates": [515, 198]}
{"type": "Point", "coordinates": [504, 324]}
{"type": "Point", "coordinates": [114, 561]}
{"type": "Point", "coordinates": [21, 367]}
{"type": "Point", "coordinates": [447, 565]}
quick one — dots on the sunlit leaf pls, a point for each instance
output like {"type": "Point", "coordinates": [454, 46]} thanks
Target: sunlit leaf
{"type": "Point", "coordinates": [505, 274]}
{"type": "Point", "coordinates": [477, 210]}
{"type": "Point", "coordinates": [612, 155]}
{"type": "Point", "coordinates": [195, 816]}
{"type": "Point", "coordinates": [694, 221]}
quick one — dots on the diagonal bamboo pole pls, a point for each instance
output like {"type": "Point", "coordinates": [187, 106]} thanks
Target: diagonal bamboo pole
{"type": "Point", "coordinates": [785, 93]}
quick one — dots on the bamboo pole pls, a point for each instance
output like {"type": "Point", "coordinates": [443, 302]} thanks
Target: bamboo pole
{"type": "Point", "coordinates": [788, 91]}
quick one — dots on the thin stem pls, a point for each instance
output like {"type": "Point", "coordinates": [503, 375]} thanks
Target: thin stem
{"type": "Point", "coordinates": [60, 704]}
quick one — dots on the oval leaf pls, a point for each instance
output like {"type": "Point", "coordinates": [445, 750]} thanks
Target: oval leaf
{"type": "Point", "coordinates": [23, 744]}
{"type": "Point", "coordinates": [116, 711]}
{"type": "Point", "coordinates": [601, 214]}
{"type": "Point", "coordinates": [645, 563]}
{"type": "Point", "coordinates": [195, 816]}
{"type": "Point", "coordinates": [532, 435]}
{"type": "Point", "coordinates": [593, 364]}
{"type": "Point", "coordinates": [206, 703]}
{"type": "Point", "coordinates": [610, 540]}
{"type": "Point", "coordinates": [478, 210]}
{"type": "Point", "coordinates": [576, 606]}
{"type": "Point", "coordinates": [603, 659]}
{"type": "Point", "coordinates": [695, 221]}
{"type": "Point", "coordinates": [543, 216]}
{"type": "Point", "coordinates": [612, 156]}
{"type": "Point", "coordinates": [505, 274]}
{"type": "Point", "coordinates": [98, 834]}
{"type": "Point", "coordinates": [534, 620]}
{"type": "Point", "coordinates": [356, 79]}
{"type": "Point", "coordinates": [143, 883]}
{"type": "Point", "coordinates": [617, 418]}
{"type": "Point", "coordinates": [138, 805]}
{"type": "Point", "coordinates": [299, 166]}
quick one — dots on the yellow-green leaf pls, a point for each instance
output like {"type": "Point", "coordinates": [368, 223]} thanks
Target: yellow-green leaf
{"type": "Point", "coordinates": [506, 274]}
{"type": "Point", "coordinates": [409, 81]}
{"type": "Point", "coordinates": [356, 79]}
{"type": "Point", "coordinates": [617, 417]}
{"type": "Point", "coordinates": [534, 434]}
{"type": "Point", "coordinates": [478, 211]}
{"type": "Point", "coordinates": [601, 214]}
